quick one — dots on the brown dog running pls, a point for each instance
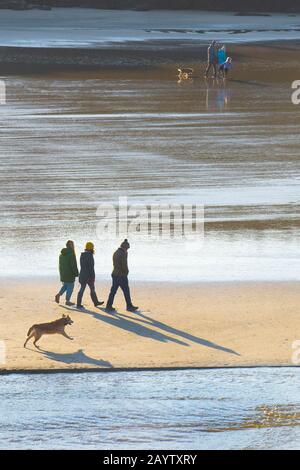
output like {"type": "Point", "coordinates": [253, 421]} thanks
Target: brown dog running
{"type": "Point", "coordinates": [52, 328]}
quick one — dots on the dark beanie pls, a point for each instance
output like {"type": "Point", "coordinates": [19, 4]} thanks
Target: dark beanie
{"type": "Point", "coordinates": [125, 244]}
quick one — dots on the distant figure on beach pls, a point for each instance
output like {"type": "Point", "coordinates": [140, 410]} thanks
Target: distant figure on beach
{"type": "Point", "coordinates": [212, 58]}
{"type": "Point", "coordinates": [225, 67]}
{"type": "Point", "coordinates": [120, 278]}
{"type": "Point", "coordinates": [87, 275]}
{"type": "Point", "coordinates": [221, 55]}
{"type": "Point", "coordinates": [68, 272]}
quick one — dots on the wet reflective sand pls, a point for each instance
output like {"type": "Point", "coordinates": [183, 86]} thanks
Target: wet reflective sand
{"type": "Point", "coordinates": [71, 141]}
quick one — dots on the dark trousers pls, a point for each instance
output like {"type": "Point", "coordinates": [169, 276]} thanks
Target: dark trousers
{"type": "Point", "coordinates": [93, 294]}
{"type": "Point", "coordinates": [122, 282]}
{"type": "Point", "coordinates": [211, 64]}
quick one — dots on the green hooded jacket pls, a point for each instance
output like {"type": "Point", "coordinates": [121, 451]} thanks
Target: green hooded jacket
{"type": "Point", "coordinates": [67, 265]}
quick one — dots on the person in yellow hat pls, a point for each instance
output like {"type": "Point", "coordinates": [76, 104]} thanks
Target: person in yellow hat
{"type": "Point", "coordinates": [89, 246]}
{"type": "Point", "coordinates": [87, 275]}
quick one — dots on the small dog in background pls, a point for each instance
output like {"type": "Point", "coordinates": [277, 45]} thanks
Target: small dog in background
{"type": "Point", "coordinates": [52, 328]}
{"type": "Point", "coordinates": [185, 72]}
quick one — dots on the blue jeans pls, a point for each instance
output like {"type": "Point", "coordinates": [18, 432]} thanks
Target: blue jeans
{"type": "Point", "coordinates": [119, 281]}
{"type": "Point", "coordinates": [67, 287]}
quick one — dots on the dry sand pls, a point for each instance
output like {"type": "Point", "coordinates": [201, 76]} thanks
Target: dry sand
{"type": "Point", "coordinates": [180, 325]}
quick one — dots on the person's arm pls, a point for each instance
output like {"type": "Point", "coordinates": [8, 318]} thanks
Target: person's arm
{"type": "Point", "coordinates": [60, 267]}
{"type": "Point", "coordinates": [124, 264]}
{"type": "Point", "coordinates": [74, 266]}
{"type": "Point", "coordinates": [91, 268]}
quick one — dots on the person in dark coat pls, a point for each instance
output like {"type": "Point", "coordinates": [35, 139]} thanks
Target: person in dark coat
{"type": "Point", "coordinates": [87, 275]}
{"type": "Point", "coordinates": [120, 278]}
{"type": "Point", "coordinates": [212, 58]}
{"type": "Point", "coordinates": [68, 272]}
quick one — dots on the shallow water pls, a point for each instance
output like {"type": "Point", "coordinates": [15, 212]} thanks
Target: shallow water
{"type": "Point", "coordinates": [71, 142]}
{"type": "Point", "coordinates": [195, 409]}
{"type": "Point", "coordinates": [63, 27]}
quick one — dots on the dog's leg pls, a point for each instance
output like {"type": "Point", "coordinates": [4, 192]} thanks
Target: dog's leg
{"type": "Point", "coordinates": [66, 336]}
{"type": "Point", "coordinates": [37, 337]}
{"type": "Point", "coordinates": [29, 337]}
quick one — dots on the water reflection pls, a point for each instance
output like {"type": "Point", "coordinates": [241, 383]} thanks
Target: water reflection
{"type": "Point", "coordinates": [194, 409]}
{"type": "Point", "coordinates": [71, 142]}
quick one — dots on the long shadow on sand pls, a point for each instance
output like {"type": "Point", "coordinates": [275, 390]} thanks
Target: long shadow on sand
{"type": "Point", "coordinates": [126, 322]}
{"type": "Point", "coordinates": [183, 334]}
{"type": "Point", "coordinates": [78, 357]}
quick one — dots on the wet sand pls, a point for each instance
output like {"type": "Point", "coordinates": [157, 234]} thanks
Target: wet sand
{"type": "Point", "coordinates": [160, 55]}
{"type": "Point", "coordinates": [233, 147]}
{"type": "Point", "coordinates": [247, 175]}
{"type": "Point", "coordinates": [154, 54]}
{"type": "Point", "coordinates": [179, 325]}
{"type": "Point", "coordinates": [76, 38]}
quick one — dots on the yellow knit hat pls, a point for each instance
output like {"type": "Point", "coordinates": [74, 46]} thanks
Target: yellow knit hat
{"type": "Point", "coordinates": [89, 246]}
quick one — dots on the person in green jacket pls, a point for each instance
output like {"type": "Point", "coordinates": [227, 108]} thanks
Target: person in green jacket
{"type": "Point", "coordinates": [68, 272]}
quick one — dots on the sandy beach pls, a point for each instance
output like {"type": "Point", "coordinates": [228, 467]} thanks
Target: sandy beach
{"type": "Point", "coordinates": [102, 141]}
{"type": "Point", "coordinates": [179, 325]}
{"type": "Point", "coordinates": [144, 120]}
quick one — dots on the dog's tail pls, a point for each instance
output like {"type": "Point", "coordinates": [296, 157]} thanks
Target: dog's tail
{"type": "Point", "coordinates": [30, 330]}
